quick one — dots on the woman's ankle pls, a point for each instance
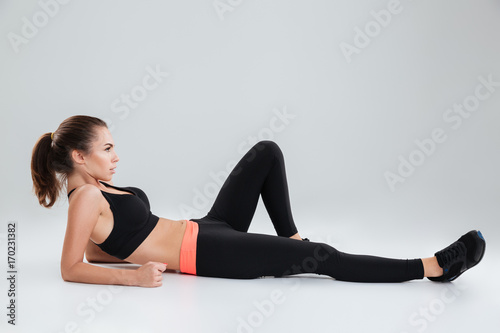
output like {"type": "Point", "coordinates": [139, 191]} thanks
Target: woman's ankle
{"type": "Point", "coordinates": [431, 267]}
{"type": "Point", "coordinates": [296, 236]}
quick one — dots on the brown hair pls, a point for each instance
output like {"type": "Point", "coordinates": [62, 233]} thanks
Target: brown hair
{"type": "Point", "coordinates": [51, 161]}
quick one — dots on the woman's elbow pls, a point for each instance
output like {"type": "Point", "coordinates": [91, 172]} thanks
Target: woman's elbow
{"type": "Point", "coordinates": [65, 276]}
{"type": "Point", "coordinates": [66, 273]}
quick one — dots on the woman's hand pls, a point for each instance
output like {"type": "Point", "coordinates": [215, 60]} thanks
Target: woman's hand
{"type": "Point", "coordinates": [150, 274]}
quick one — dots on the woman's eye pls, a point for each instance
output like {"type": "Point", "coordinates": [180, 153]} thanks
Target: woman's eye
{"type": "Point", "coordinates": [107, 149]}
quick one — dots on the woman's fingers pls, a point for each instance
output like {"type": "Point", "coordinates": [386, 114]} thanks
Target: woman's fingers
{"type": "Point", "coordinates": [151, 273]}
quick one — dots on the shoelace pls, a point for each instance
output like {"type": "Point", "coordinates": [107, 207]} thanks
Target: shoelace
{"type": "Point", "coordinates": [453, 252]}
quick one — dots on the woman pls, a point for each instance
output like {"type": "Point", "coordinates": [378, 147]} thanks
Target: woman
{"type": "Point", "coordinates": [108, 223]}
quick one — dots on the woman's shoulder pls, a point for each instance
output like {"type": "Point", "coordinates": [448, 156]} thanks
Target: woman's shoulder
{"type": "Point", "coordinates": [86, 204]}
{"type": "Point", "coordinates": [85, 192]}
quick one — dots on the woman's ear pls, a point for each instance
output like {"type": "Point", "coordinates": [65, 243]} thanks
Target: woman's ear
{"type": "Point", "coordinates": [77, 157]}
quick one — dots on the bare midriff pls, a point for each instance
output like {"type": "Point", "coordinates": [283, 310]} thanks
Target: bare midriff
{"type": "Point", "coordinates": [163, 244]}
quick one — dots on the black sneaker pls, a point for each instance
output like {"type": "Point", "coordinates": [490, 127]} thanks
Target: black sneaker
{"type": "Point", "coordinates": [460, 256]}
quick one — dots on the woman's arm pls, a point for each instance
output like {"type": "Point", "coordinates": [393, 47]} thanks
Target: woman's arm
{"type": "Point", "coordinates": [83, 212]}
{"type": "Point", "coordinates": [87, 273]}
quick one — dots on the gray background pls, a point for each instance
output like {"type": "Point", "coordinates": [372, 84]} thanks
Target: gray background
{"type": "Point", "coordinates": [229, 75]}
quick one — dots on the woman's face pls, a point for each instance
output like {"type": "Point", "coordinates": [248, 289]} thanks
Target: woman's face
{"type": "Point", "coordinates": [101, 161]}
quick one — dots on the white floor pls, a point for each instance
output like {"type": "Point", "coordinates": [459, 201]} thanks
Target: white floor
{"type": "Point", "coordinates": [305, 303]}
{"type": "Point", "coordinates": [298, 304]}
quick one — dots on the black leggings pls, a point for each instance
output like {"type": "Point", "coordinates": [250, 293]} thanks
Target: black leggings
{"type": "Point", "coordinates": [225, 248]}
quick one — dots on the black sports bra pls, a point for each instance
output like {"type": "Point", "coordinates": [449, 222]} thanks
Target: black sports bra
{"type": "Point", "coordinates": [133, 221]}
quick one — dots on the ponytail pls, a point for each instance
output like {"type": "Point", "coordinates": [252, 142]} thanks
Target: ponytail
{"type": "Point", "coordinates": [45, 183]}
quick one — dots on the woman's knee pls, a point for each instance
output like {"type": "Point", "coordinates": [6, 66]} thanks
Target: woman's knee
{"type": "Point", "coordinates": [269, 147]}
{"type": "Point", "coordinates": [323, 252]}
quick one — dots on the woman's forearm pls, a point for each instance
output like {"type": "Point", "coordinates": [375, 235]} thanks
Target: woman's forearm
{"type": "Point", "coordinates": [87, 273]}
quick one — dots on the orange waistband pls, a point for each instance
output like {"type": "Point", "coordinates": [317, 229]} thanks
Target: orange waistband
{"type": "Point", "coordinates": [188, 248]}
